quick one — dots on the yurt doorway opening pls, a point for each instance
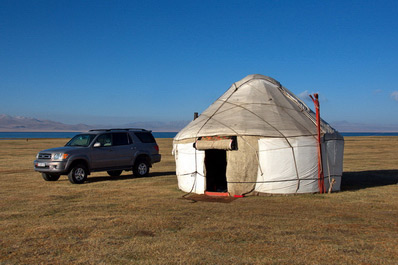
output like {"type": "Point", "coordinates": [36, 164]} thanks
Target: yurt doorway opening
{"type": "Point", "coordinates": [216, 167]}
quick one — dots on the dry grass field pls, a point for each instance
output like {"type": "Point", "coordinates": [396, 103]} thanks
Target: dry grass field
{"type": "Point", "coordinates": [127, 220]}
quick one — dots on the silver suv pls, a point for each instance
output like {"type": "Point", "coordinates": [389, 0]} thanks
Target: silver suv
{"type": "Point", "coordinates": [111, 150]}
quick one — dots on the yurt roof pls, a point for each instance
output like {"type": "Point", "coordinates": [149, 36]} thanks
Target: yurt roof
{"type": "Point", "coordinates": [257, 105]}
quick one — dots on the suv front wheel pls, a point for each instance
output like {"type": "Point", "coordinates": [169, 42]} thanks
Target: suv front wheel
{"type": "Point", "coordinates": [78, 174]}
{"type": "Point", "coordinates": [141, 168]}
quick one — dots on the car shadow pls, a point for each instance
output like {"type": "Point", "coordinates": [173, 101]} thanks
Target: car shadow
{"type": "Point", "coordinates": [368, 179]}
{"type": "Point", "coordinates": [127, 176]}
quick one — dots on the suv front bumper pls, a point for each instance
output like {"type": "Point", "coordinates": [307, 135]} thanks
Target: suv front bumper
{"type": "Point", "coordinates": [57, 167]}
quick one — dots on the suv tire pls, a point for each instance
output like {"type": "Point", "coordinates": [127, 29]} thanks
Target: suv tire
{"type": "Point", "coordinates": [141, 168]}
{"type": "Point", "coordinates": [78, 174]}
{"type": "Point", "coordinates": [115, 173]}
{"type": "Point", "coordinates": [48, 177]}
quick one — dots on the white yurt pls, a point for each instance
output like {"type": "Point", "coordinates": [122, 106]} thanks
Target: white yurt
{"type": "Point", "coordinates": [258, 138]}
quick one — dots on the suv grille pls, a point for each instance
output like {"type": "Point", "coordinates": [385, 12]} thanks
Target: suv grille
{"type": "Point", "coordinates": [44, 156]}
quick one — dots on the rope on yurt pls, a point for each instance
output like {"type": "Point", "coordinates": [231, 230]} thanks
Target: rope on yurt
{"type": "Point", "coordinates": [186, 194]}
{"type": "Point", "coordinates": [195, 172]}
{"type": "Point", "coordinates": [194, 181]}
{"type": "Point", "coordinates": [327, 163]}
{"type": "Point", "coordinates": [271, 181]}
{"type": "Point", "coordinates": [295, 164]}
{"type": "Point", "coordinates": [274, 181]}
{"type": "Point", "coordinates": [254, 187]}
{"type": "Point", "coordinates": [293, 98]}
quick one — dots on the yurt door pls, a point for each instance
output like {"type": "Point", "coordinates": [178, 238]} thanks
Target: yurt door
{"type": "Point", "coordinates": [216, 166]}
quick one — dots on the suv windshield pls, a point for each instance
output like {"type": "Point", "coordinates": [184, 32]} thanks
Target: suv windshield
{"type": "Point", "coordinates": [81, 140]}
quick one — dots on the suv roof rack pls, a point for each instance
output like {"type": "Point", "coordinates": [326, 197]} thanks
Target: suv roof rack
{"type": "Point", "coordinates": [120, 129]}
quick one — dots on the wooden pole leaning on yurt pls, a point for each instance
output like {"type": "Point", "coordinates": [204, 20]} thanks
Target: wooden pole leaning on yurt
{"type": "Point", "coordinates": [321, 181]}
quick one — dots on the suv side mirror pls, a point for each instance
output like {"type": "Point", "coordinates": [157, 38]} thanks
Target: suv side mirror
{"type": "Point", "coordinates": [97, 144]}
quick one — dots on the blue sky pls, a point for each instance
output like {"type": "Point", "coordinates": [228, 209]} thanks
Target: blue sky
{"type": "Point", "coordinates": [114, 62]}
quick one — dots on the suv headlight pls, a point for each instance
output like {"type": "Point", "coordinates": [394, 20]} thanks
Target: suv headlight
{"type": "Point", "coordinates": [60, 156]}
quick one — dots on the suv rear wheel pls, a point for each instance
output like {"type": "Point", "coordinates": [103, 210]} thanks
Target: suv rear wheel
{"type": "Point", "coordinates": [115, 173]}
{"type": "Point", "coordinates": [141, 168]}
{"type": "Point", "coordinates": [78, 174]}
{"type": "Point", "coordinates": [48, 177]}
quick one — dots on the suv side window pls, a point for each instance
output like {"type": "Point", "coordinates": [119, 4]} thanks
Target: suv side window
{"type": "Point", "coordinates": [145, 137]}
{"type": "Point", "coordinates": [120, 139]}
{"type": "Point", "coordinates": [105, 139]}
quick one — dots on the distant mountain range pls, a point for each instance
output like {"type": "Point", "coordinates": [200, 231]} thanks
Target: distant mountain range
{"type": "Point", "coordinates": [25, 124]}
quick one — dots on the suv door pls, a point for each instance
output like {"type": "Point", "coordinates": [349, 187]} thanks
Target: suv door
{"type": "Point", "coordinates": [124, 149]}
{"type": "Point", "coordinates": [102, 156]}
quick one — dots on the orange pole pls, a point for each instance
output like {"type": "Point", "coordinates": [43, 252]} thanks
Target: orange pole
{"type": "Point", "coordinates": [321, 182]}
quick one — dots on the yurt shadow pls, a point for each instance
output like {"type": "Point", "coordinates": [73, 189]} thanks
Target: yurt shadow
{"type": "Point", "coordinates": [127, 176]}
{"type": "Point", "coordinates": [368, 179]}
{"type": "Point", "coordinates": [108, 178]}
